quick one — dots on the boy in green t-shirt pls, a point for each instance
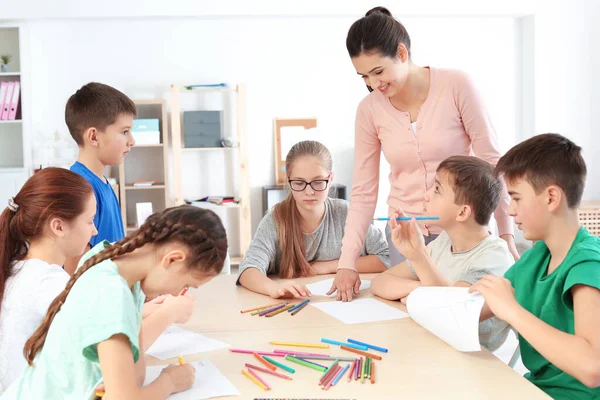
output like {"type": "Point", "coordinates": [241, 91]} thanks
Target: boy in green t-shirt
{"type": "Point", "coordinates": [556, 297]}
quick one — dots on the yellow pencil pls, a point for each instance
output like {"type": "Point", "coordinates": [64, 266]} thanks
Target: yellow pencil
{"type": "Point", "coordinates": [253, 379]}
{"type": "Point", "coordinates": [181, 362]}
{"type": "Point", "coordinates": [315, 346]}
{"type": "Point", "coordinates": [100, 394]}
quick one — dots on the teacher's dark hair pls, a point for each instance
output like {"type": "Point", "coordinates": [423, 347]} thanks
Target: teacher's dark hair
{"type": "Point", "coordinates": [377, 32]}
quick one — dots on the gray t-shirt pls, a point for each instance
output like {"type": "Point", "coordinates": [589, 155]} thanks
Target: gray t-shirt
{"type": "Point", "coordinates": [489, 257]}
{"type": "Point", "coordinates": [324, 244]}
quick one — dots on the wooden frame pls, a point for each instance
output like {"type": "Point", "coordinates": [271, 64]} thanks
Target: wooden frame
{"type": "Point", "coordinates": [163, 186]}
{"type": "Point", "coordinates": [245, 225]}
{"type": "Point", "coordinates": [278, 123]}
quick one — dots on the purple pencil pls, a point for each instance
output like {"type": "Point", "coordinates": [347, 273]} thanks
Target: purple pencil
{"type": "Point", "coordinates": [272, 309]}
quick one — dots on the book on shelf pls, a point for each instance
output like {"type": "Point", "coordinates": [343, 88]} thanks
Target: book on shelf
{"type": "Point", "coordinates": [143, 183]}
{"type": "Point", "coordinates": [218, 200]}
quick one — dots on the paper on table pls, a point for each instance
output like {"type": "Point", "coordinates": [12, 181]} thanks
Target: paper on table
{"type": "Point", "coordinates": [450, 313]}
{"type": "Point", "coordinates": [175, 341]}
{"type": "Point", "coordinates": [322, 287]}
{"type": "Point", "coordinates": [359, 311]}
{"type": "Point", "coordinates": [210, 382]}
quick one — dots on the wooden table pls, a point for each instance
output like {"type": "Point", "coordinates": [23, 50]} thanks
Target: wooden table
{"type": "Point", "coordinates": [418, 364]}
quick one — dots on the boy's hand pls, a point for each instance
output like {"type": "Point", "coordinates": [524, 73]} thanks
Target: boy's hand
{"type": "Point", "coordinates": [288, 288]}
{"type": "Point", "coordinates": [407, 237]}
{"type": "Point", "coordinates": [180, 307]}
{"type": "Point", "coordinates": [499, 296]}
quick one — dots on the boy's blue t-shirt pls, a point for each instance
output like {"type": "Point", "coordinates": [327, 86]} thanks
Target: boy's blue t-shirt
{"type": "Point", "coordinates": [108, 219]}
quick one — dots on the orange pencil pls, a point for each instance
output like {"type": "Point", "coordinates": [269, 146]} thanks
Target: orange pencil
{"type": "Point", "coordinates": [372, 372]}
{"type": "Point", "coordinates": [265, 362]}
{"type": "Point", "coordinates": [362, 353]}
{"type": "Point", "coordinates": [260, 308]}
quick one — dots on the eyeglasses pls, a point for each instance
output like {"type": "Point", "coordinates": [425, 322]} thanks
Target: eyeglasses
{"type": "Point", "coordinates": [317, 185]}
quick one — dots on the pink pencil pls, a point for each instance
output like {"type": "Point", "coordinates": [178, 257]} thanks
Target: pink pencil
{"type": "Point", "coordinates": [266, 371]}
{"type": "Point", "coordinates": [299, 353]}
{"type": "Point", "coordinates": [254, 374]}
{"type": "Point", "coordinates": [262, 353]}
{"type": "Point", "coordinates": [333, 376]}
{"type": "Point", "coordinates": [351, 372]}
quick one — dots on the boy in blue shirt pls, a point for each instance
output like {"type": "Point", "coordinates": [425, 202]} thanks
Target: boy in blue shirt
{"type": "Point", "coordinates": [551, 296]}
{"type": "Point", "coordinates": [100, 119]}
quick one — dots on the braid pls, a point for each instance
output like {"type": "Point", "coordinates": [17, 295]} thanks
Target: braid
{"type": "Point", "coordinates": [200, 229]}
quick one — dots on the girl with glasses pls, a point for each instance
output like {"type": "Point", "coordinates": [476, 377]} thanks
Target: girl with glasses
{"type": "Point", "coordinates": [302, 235]}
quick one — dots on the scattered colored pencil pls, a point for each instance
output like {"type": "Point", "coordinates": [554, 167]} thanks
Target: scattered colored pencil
{"type": "Point", "coordinates": [297, 310]}
{"type": "Point", "coordinates": [358, 368]}
{"type": "Point", "coordinates": [409, 218]}
{"type": "Point", "coordinates": [268, 371]}
{"type": "Point", "coordinates": [299, 305]}
{"type": "Point", "coordinates": [300, 353]}
{"type": "Point", "coordinates": [253, 379]}
{"type": "Point", "coordinates": [254, 374]}
{"type": "Point", "coordinates": [266, 308]}
{"type": "Point", "coordinates": [273, 313]}
{"type": "Point", "coordinates": [340, 374]}
{"type": "Point", "coordinates": [362, 353]}
{"type": "Point", "coordinates": [362, 371]}
{"type": "Point", "coordinates": [262, 353]}
{"type": "Point", "coordinates": [329, 369]}
{"type": "Point", "coordinates": [331, 377]}
{"type": "Point", "coordinates": [265, 362]}
{"type": "Point", "coordinates": [354, 346]}
{"type": "Point", "coordinates": [372, 372]}
{"type": "Point", "coordinates": [280, 365]}
{"type": "Point", "coordinates": [260, 308]}
{"type": "Point", "coordinates": [325, 358]}
{"type": "Point", "coordinates": [306, 363]}
{"type": "Point", "coordinates": [270, 310]}
{"type": "Point", "coordinates": [368, 368]}
{"type": "Point", "coordinates": [351, 372]}
{"type": "Point", "coordinates": [370, 346]}
{"type": "Point", "coordinates": [310, 345]}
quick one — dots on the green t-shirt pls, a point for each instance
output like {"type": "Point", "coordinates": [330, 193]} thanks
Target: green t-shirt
{"type": "Point", "coordinates": [99, 306]}
{"type": "Point", "coordinates": [548, 297]}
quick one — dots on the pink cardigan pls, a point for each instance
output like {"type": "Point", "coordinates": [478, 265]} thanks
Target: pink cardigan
{"type": "Point", "coordinates": [452, 121]}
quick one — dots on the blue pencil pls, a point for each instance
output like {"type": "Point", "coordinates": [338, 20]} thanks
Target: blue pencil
{"type": "Point", "coordinates": [408, 219]}
{"type": "Point", "coordinates": [357, 346]}
{"type": "Point", "coordinates": [339, 376]}
{"type": "Point", "coordinates": [383, 350]}
{"type": "Point", "coordinates": [298, 305]}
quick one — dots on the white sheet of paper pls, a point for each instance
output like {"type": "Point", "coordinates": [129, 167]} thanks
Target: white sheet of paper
{"type": "Point", "coordinates": [322, 287]}
{"type": "Point", "coordinates": [450, 313]}
{"type": "Point", "coordinates": [175, 341]}
{"type": "Point", "coordinates": [359, 311]}
{"type": "Point", "coordinates": [210, 382]}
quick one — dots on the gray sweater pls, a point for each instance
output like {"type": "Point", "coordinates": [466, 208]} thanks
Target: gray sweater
{"type": "Point", "coordinates": [324, 244]}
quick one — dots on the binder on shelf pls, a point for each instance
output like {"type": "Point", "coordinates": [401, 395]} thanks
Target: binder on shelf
{"type": "Point", "coordinates": [3, 90]}
{"type": "Point", "coordinates": [12, 112]}
{"type": "Point", "coordinates": [7, 101]}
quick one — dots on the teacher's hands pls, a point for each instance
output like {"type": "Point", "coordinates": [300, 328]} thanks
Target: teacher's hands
{"type": "Point", "coordinates": [346, 283]}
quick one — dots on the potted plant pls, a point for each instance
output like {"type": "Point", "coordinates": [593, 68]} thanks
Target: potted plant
{"type": "Point", "coordinates": [4, 59]}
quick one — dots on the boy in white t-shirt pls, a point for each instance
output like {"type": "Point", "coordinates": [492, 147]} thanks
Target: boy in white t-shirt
{"type": "Point", "coordinates": [464, 195]}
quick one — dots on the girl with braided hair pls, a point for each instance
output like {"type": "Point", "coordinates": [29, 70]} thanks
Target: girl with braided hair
{"type": "Point", "coordinates": [92, 331]}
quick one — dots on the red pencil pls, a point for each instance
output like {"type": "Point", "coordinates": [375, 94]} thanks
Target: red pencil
{"type": "Point", "coordinates": [327, 374]}
{"type": "Point", "coordinates": [265, 362]}
{"type": "Point", "coordinates": [331, 377]}
{"type": "Point", "coordinates": [351, 372]}
{"type": "Point", "coordinates": [362, 353]}
{"type": "Point", "coordinates": [183, 292]}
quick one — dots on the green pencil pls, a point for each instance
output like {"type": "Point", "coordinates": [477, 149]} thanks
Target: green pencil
{"type": "Point", "coordinates": [304, 363]}
{"type": "Point", "coordinates": [364, 369]}
{"type": "Point", "coordinates": [280, 365]}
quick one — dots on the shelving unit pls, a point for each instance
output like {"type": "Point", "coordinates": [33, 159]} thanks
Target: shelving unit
{"type": "Point", "coordinates": [146, 162]}
{"type": "Point", "coordinates": [234, 158]}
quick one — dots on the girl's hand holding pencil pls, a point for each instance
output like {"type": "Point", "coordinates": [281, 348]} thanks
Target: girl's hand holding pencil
{"type": "Point", "coordinates": [288, 288]}
{"type": "Point", "coordinates": [181, 377]}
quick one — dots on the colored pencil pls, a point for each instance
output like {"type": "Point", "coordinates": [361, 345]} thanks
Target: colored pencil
{"type": "Point", "coordinates": [100, 394]}
{"type": "Point", "coordinates": [339, 376]}
{"type": "Point", "coordinates": [181, 362]}
{"type": "Point", "coordinates": [409, 218]}
{"type": "Point", "coordinates": [314, 346]}
{"type": "Point", "coordinates": [262, 353]}
{"type": "Point", "coordinates": [270, 310]}
{"type": "Point", "coordinates": [329, 369]}
{"type": "Point", "coordinates": [183, 292]}
{"type": "Point", "coordinates": [280, 365]}
{"type": "Point", "coordinates": [310, 362]}
{"type": "Point", "coordinates": [254, 374]}
{"type": "Point", "coordinates": [362, 371]}
{"type": "Point", "coordinates": [331, 377]}
{"type": "Point", "coordinates": [305, 363]}
{"type": "Point", "coordinates": [354, 346]}
{"type": "Point", "coordinates": [268, 371]}
{"type": "Point", "coordinates": [362, 353]}
{"type": "Point", "coordinates": [265, 362]}
{"type": "Point", "coordinates": [372, 372]}
{"type": "Point", "coordinates": [369, 346]}
{"type": "Point", "coordinates": [300, 353]}
{"type": "Point", "coordinates": [325, 358]}
{"type": "Point", "coordinates": [259, 308]}
{"type": "Point", "coordinates": [368, 368]}
{"type": "Point", "coordinates": [358, 368]}
{"type": "Point", "coordinates": [299, 305]}
{"type": "Point", "coordinates": [266, 308]}
{"type": "Point", "coordinates": [274, 313]}
{"type": "Point", "coordinates": [351, 372]}
{"type": "Point", "coordinates": [253, 379]}
{"type": "Point", "coordinates": [297, 310]}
